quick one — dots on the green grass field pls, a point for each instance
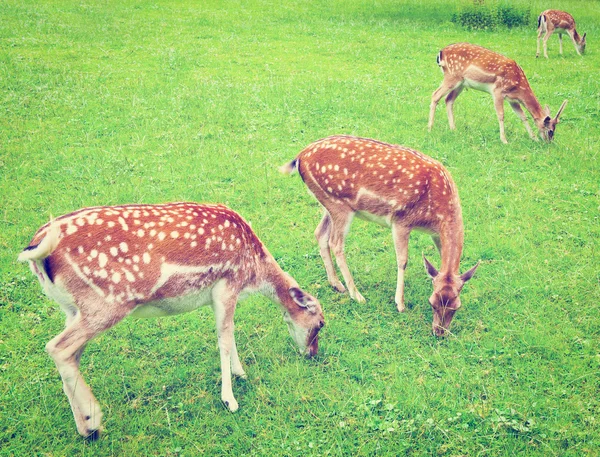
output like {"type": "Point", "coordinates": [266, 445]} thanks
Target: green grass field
{"type": "Point", "coordinates": [107, 102]}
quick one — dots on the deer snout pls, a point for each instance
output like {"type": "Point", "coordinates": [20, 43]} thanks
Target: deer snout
{"type": "Point", "coordinates": [442, 320]}
{"type": "Point", "coordinates": [312, 341]}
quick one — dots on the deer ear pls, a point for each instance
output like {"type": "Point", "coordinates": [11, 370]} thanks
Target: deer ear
{"type": "Point", "coordinates": [469, 274]}
{"type": "Point", "coordinates": [430, 268]}
{"type": "Point", "coordinates": [302, 299]}
{"type": "Point", "coordinates": [560, 110]}
{"type": "Point", "coordinates": [583, 39]}
{"type": "Point", "coordinates": [547, 120]}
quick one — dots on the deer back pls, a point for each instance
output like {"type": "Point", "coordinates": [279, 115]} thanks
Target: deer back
{"type": "Point", "coordinates": [375, 178]}
{"type": "Point", "coordinates": [140, 253]}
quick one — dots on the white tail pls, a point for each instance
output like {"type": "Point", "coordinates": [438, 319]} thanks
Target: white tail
{"type": "Point", "coordinates": [394, 186]}
{"type": "Point", "coordinates": [104, 263]}
{"type": "Point", "coordinates": [551, 21]}
{"type": "Point", "coordinates": [469, 66]}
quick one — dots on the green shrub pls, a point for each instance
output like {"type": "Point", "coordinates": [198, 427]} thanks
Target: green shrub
{"type": "Point", "coordinates": [512, 16]}
{"type": "Point", "coordinates": [487, 17]}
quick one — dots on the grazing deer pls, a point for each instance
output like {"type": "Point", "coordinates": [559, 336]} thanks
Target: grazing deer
{"type": "Point", "coordinates": [471, 66]}
{"type": "Point", "coordinates": [551, 21]}
{"type": "Point", "coordinates": [394, 186]}
{"type": "Point", "coordinates": [104, 263]}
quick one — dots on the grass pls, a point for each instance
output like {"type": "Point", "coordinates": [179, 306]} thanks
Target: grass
{"type": "Point", "coordinates": [123, 102]}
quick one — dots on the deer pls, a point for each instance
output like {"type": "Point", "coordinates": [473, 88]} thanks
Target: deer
{"type": "Point", "coordinates": [104, 263]}
{"type": "Point", "coordinates": [393, 186]}
{"type": "Point", "coordinates": [551, 21]}
{"type": "Point", "coordinates": [467, 65]}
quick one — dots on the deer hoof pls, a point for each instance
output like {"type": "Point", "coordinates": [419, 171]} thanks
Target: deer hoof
{"type": "Point", "coordinates": [232, 404]}
{"type": "Point", "coordinates": [358, 297]}
{"type": "Point", "coordinates": [339, 287]}
{"type": "Point", "coordinates": [93, 435]}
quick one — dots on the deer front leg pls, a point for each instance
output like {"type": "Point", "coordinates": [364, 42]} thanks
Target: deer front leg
{"type": "Point", "coordinates": [519, 111]}
{"type": "Point", "coordinates": [236, 366]}
{"type": "Point", "coordinates": [450, 98]}
{"type": "Point", "coordinates": [322, 234]}
{"type": "Point", "coordinates": [224, 301]}
{"type": "Point", "coordinates": [341, 221]}
{"type": "Point", "coordinates": [499, 105]}
{"type": "Point", "coordinates": [560, 44]}
{"type": "Point", "coordinates": [539, 35]}
{"type": "Point", "coordinates": [401, 235]}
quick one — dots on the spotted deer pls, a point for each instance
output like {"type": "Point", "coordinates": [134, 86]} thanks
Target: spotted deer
{"type": "Point", "coordinates": [551, 21]}
{"type": "Point", "coordinates": [393, 186]}
{"type": "Point", "coordinates": [104, 263]}
{"type": "Point", "coordinates": [469, 66]}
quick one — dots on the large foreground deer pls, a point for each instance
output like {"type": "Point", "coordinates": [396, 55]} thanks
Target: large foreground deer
{"type": "Point", "coordinates": [469, 66]}
{"type": "Point", "coordinates": [394, 186]}
{"type": "Point", "coordinates": [551, 21]}
{"type": "Point", "coordinates": [104, 263]}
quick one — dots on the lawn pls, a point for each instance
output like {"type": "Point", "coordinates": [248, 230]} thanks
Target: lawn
{"type": "Point", "coordinates": [106, 102]}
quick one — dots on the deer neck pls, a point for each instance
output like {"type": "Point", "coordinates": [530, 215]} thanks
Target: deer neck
{"type": "Point", "coordinates": [451, 239]}
{"type": "Point", "coordinates": [576, 36]}
{"type": "Point", "coordinates": [532, 105]}
{"type": "Point", "coordinates": [274, 282]}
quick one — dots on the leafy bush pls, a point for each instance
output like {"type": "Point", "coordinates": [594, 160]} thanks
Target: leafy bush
{"type": "Point", "coordinates": [511, 16]}
{"type": "Point", "coordinates": [486, 17]}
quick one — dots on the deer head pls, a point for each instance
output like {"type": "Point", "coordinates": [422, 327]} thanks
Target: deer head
{"type": "Point", "coordinates": [445, 300]}
{"type": "Point", "coordinates": [547, 125]}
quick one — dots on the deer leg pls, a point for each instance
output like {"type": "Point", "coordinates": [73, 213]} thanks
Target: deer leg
{"type": "Point", "coordinates": [446, 87]}
{"type": "Point", "coordinates": [224, 301]}
{"type": "Point", "coordinates": [322, 234]}
{"type": "Point", "coordinates": [400, 235]}
{"type": "Point", "coordinates": [519, 111]}
{"type": "Point", "coordinates": [560, 43]}
{"type": "Point", "coordinates": [539, 35]}
{"type": "Point", "coordinates": [66, 349]}
{"type": "Point", "coordinates": [341, 221]}
{"type": "Point", "coordinates": [499, 105]}
{"type": "Point", "coordinates": [236, 366]}
{"type": "Point", "coordinates": [545, 40]}
{"type": "Point", "coordinates": [450, 103]}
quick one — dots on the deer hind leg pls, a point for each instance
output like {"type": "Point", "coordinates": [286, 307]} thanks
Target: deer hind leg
{"type": "Point", "coordinates": [400, 235]}
{"type": "Point", "coordinates": [539, 35]}
{"type": "Point", "coordinates": [450, 98]}
{"type": "Point", "coordinates": [224, 301]}
{"type": "Point", "coordinates": [447, 86]}
{"type": "Point", "coordinates": [341, 221]}
{"type": "Point", "coordinates": [322, 234]}
{"type": "Point", "coordinates": [545, 40]}
{"type": "Point", "coordinates": [66, 349]}
{"type": "Point", "coordinates": [499, 105]}
{"type": "Point", "coordinates": [519, 111]}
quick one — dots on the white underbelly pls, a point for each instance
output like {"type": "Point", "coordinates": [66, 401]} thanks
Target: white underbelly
{"type": "Point", "coordinates": [386, 221]}
{"type": "Point", "coordinates": [175, 305]}
{"type": "Point", "coordinates": [485, 87]}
